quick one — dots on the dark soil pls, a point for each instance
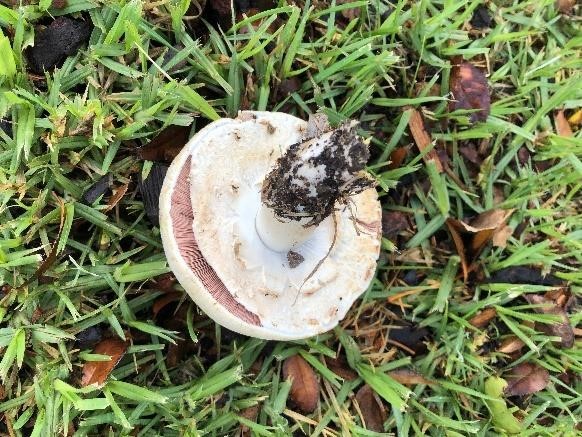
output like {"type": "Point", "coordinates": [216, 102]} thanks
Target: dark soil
{"type": "Point", "coordinates": [150, 189]}
{"type": "Point", "coordinates": [343, 157]}
{"type": "Point", "coordinates": [53, 43]}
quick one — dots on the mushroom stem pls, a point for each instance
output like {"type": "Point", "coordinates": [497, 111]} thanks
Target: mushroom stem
{"type": "Point", "coordinates": [307, 181]}
{"type": "Point", "coordinates": [278, 234]}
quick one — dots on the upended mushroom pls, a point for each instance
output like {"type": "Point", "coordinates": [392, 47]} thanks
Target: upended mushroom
{"type": "Point", "coordinates": [271, 223]}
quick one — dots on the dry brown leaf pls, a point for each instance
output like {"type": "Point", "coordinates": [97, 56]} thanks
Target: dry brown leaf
{"type": "Point", "coordinates": [52, 255]}
{"type": "Point", "coordinates": [408, 337]}
{"type": "Point", "coordinates": [351, 13]}
{"type": "Point", "coordinates": [251, 414]}
{"type": "Point", "coordinates": [304, 385]}
{"type": "Point", "coordinates": [341, 369]}
{"type": "Point", "coordinates": [565, 6]}
{"type": "Point", "coordinates": [562, 297]}
{"type": "Point", "coordinates": [166, 145]}
{"type": "Point", "coordinates": [471, 238]}
{"type": "Point", "coordinates": [482, 318]}
{"type": "Point", "coordinates": [165, 283]}
{"type": "Point", "coordinates": [117, 196]}
{"type": "Point", "coordinates": [510, 345]}
{"type": "Point", "coordinates": [471, 154]}
{"type": "Point", "coordinates": [501, 235]}
{"type": "Point", "coordinates": [394, 222]}
{"type": "Point", "coordinates": [397, 157]}
{"type": "Point", "coordinates": [409, 377]}
{"type": "Point", "coordinates": [165, 300]}
{"type": "Point", "coordinates": [525, 379]}
{"type": "Point", "coordinates": [562, 126]}
{"type": "Point", "coordinates": [460, 246]}
{"type": "Point", "coordinates": [175, 353]}
{"type": "Point", "coordinates": [59, 4]}
{"type": "Point", "coordinates": [96, 372]}
{"type": "Point", "coordinates": [372, 409]}
{"type": "Point", "coordinates": [485, 224]}
{"type": "Point", "coordinates": [97, 189]}
{"type": "Point", "coordinates": [422, 138]}
{"type": "Point", "coordinates": [561, 329]}
{"type": "Point", "coordinates": [470, 91]}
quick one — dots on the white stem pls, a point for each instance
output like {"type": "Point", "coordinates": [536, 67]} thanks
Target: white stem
{"type": "Point", "coordinates": [281, 236]}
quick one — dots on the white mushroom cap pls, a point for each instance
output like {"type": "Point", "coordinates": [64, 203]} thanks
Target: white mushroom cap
{"type": "Point", "coordinates": [208, 217]}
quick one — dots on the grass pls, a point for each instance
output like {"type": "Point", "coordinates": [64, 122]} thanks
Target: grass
{"type": "Point", "coordinates": [68, 266]}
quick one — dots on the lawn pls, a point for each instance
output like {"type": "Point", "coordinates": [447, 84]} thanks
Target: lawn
{"type": "Point", "coordinates": [470, 326]}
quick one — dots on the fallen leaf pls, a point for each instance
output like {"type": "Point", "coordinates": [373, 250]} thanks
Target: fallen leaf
{"type": "Point", "coordinates": [469, 87]}
{"type": "Point", "coordinates": [484, 225]}
{"type": "Point", "coordinates": [397, 157]}
{"type": "Point", "coordinates": [341, 368]}
{"type": "Point", "coordinates": [88, 337]}
{"type": "Point", "coordinates": [510, 345]}
{"type": "Point", "coordinates": [565, 6]}
{"type": "Point", "coordinates": [97, 189]}
{"type": "Point", "coordinates": [422, 138]}
{"type": "Point", "coordinates": [470, 238]}
{"type": "Point", "coordinates": [409, 377]}
{"type": "Point", "coordinates": [117, 196]}
{"type": "Point", "coordinates": [501, 235]}
{"type": "Point", "coordinates": [523, 275]}
{"type": "Point", "coordinates": [52, 255]}
{"type": "Point", "coordinates": [562, 297]}
{"type": "Point", "coordinates": [175, 353]}
{"type": "Point", "coordinates": [223, 8]}
{"type": "Point", "coordinates": [471, 154]}
{"type": "Point", "coordinates": [288, 86]}
{"type": "Point", "coordinates": [96, 372]}
{"type": "Point", "coordinates": [372, 409]}
{"type": "Point", "coordinates": [165, 300]}
{"type": "Point", "coordinates": [351, 13]}
{"type": "Point", "coordinates": [481, 18]}
{"type": "Point", "coordinates": [420, 87]}
{"type": "Point", "coordinates": [562, 126]}
{"type": "Point", "coordinates": [59, 4]}
{"type": "Point", "coordinates": [249, 413]}
{"type": "Point", "coordinates": [482, 318]}
{"type": "Point", "coordinates": [409, 338]}
{"type": "Point", "coordinates": [561, 329]}
{"type": "Point", "coordinates": [150, 189]}
{"type": "Point", "coordinates": [165, 283]}
{"type": "Point", "coordinates": [525, 379]}
{"type": "Point", "coordinates": [460, 246]}
{"type": "Point", "coordinates": [166, 145]}
{"type": "Point", "coordinates": [394, 222]}
{"type": "Point", "coordinates": [304, 385]}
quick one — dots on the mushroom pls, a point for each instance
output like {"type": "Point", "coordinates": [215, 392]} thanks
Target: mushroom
{"type": "Point", "coordinates": [271, 223]}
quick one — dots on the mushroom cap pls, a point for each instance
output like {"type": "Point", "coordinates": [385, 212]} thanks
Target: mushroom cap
{"type": "Point", "coordinates": [208, 205]}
